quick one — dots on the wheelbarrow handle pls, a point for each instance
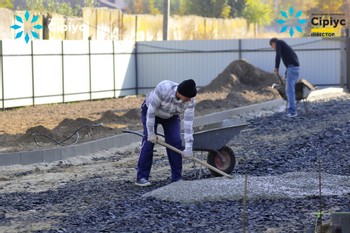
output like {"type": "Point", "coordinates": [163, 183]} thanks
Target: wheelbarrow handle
{"type": "Point", "coordinates": [281, 80]}
{"type": "Point", "coordinates": [161, 142]}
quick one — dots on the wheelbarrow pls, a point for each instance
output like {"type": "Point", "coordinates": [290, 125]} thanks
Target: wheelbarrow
{"type": "Point", "coordinates": [302, 90]}
{"type": "Point", "coordinates": [212, 138]}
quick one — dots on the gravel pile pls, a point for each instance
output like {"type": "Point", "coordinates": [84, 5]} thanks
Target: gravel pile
{"type": "Point", "coordinates": [278, 154]}
{"type": "Point", "coordinates": [288, 185]}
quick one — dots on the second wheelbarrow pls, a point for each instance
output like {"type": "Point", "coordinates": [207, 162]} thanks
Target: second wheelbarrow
{"type": "Point", "coordinates": [302, 90]}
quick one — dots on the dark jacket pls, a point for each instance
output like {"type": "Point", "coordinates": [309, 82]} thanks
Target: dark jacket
{"type": "Point", "coordinates": [284, 51]}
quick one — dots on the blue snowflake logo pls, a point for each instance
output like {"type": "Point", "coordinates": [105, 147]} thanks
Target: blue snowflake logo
{"type": "Point", "coordinates": [22, 26]}
{"type": "Point", "coordinates": [294, 21]}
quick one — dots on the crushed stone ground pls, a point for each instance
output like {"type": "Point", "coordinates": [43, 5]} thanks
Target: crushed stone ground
{"type": "Point", "coordinates": [96, 193]}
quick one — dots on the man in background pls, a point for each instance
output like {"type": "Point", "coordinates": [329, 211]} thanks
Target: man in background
{"type": "Point", "coordinates": [290, 60]}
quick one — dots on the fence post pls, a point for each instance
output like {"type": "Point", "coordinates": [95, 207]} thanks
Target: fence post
{"type": "Point", "coordinates": [239, 49]}
{"type": "Point", "coordinates": [136, 71]}
{"type": "Point", "coordinates": [113, 54]}
{"type": "Point", "coordinates": [135, 51]}
{"type": "Point", "coordinates": [342, 62]}
{"type": "Point", "coordinates": [347, 39]}
{"type": "Point", "coordinates": [62, 50]}
{"type": "Point", "coordinates": [2, 77]}
{"type": "Point", "coordinates": [90, 81]}
{"type": "Point", "coordinates": [33, 79]}
{"type": "Point", "coordinates": [166, 11]}
{"type": "Point", "coordinates": [136, 18]}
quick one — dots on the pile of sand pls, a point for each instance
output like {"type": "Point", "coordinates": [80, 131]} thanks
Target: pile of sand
{"type": "Point", "coordinates": [241, 75]}
{"type": "Point", "coordinates": [242, 83]}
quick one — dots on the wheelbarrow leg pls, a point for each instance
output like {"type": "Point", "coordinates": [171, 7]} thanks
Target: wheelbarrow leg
{"type": "Point", "coordinates": [200, 166]}
{"type": "Point", "coordinates": [306, 106]}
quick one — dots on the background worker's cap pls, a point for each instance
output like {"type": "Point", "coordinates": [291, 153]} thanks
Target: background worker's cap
{"type": "Point", "coordinates": [187, 88]}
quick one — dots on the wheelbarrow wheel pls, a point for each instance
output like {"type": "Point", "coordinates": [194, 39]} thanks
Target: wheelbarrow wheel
{"type": "Point", "coordinates": [225, 161]}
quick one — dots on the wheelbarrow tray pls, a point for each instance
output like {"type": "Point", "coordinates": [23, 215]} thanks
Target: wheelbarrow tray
{"type": "Point", "coordinates": [302, 90]}
{"type": "Point", "coordinates": [216, 135]}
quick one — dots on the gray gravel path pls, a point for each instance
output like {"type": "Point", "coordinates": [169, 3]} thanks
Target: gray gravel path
{"type": "Point", "coordinates": [279, 155]}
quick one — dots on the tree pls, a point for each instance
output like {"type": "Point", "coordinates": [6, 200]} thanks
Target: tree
{"type": "Point", "coordinates": [88, 3]}
{"type": "Point", "coordinates": [60, 7]}
{"type": "Point", "coordinates": [35, 5]}
{"type": "Point", "coordinates": [6, 4]}
{"type": "Point", "coordinates": [257, 13]}
{"type": "Point", "coordinates": [236, 8]}
{"type": "Point", "coordinates": [209, 8]}
{"type": "Point", "coordinates": [138, 7]}
{"type": "Point", "coordinates": [179, 7]}
{"type": "Point", "coordinates": [306, 6]}
{"type": "Point", "coordinates": [329, 6]}
{"type": "Point", "coordinates": [221, 8]}
{"type": "Point", "coordinates": [152, 8]}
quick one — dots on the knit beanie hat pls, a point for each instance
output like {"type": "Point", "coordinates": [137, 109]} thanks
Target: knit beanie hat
{"type": "Point", "coordinates": [187, 88]}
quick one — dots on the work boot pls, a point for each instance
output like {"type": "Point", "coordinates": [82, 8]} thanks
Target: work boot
{"type": "Point", "coordinates": [143, 182]}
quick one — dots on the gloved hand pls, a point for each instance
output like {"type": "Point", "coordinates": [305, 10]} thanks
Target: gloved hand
{"type": "Point", "coordinates": [188, 152]}
{"type": "Point", "coordinates": [152, 138]}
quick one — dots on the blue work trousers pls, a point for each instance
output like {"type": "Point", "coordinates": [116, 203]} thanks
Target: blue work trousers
{"type": "Point", "coordinates": [292, 78]}
{"type": "Point", "coordinates": [172, 133]}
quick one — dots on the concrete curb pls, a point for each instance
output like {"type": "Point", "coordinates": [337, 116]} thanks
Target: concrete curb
{"type": "Point", "coordinates": [61, 153]}
{"type": "Point", "coordinates": [220, 116]}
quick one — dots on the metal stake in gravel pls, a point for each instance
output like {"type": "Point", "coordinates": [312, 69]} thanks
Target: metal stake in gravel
{"type": "Point", "coordinates": [245, 203]}
{"type": "Point", "coordinates": [320, 193]}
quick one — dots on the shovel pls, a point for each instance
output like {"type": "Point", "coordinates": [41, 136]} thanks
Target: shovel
{"type": "Point", "coordinates": [161, 142]}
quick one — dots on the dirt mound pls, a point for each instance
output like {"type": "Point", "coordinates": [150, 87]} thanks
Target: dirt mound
{"type": "Point", "coordinates": [238, 76]}
{"type": "Point", "coordinates": [33, 133]}
{"type": "Point", "coordinates": [110, 117]}
{"type": "Point", "coordinates": [80, 129]}
{"type": "Point", "coordinates": [68, 131]}
{"type": "Point", "coordinates": [71, 124]}
{"type": "Point", "coordinates": [242, 83]}
{"type": "Point", "coordinates": [71, 131]}
{"type": "Point", "coordinates": [133, 114]}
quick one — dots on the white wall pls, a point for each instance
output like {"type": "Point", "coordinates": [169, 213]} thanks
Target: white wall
{"type": "Point", "coordinates": [180, 60]}
{"type": "Point", "coordinates": [52, 71]}
{"type": "Point", "coordinates": [63, 71]}
{"type": "Point", "coordinates": [204, 60]}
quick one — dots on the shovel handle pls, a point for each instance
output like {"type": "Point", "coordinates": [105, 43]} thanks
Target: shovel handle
{"type": "Point", "coordinates": [160, 142]}
{"type": "Point", "coordinates": [281, 80]}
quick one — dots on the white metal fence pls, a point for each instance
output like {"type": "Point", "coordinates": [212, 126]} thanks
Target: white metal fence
{"type": "Point", "coordinates": [63, 71]}
{"type": "Point", "coordinates": [203, 60]}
